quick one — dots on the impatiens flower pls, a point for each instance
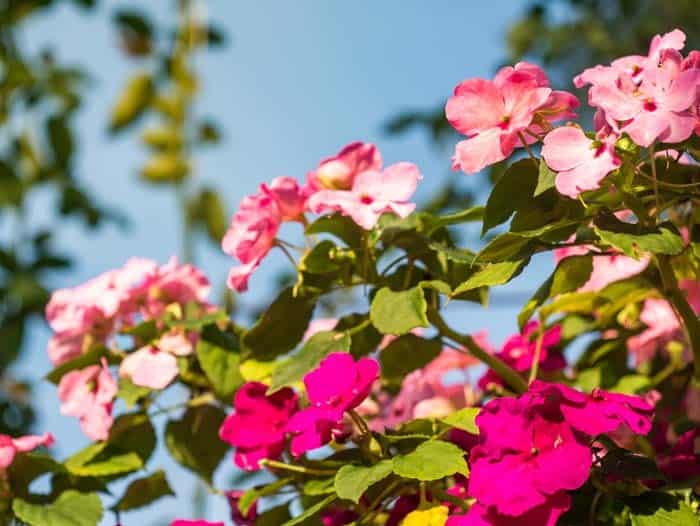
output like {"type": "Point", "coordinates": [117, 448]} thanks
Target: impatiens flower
{"type": "Point", "coordinates": [88, 394]}
{"type": "Point", "coordinates": [339, 172]}
{"type": "Point", "coordinates": [607, 269]}
{"type": "Point", "coordinates": [498, 115]}
{"type": "Point", "coordinates": [581, 163]}
{"type": "Point", "coordinates": [339, 384]}
{"type": "Point", "coordinates": [519, 352]}
{"type": "Point", "coordinates": [149, 367]}
{"type": "Point", "coordinates": [372, 194]}
{"type": "Point", "coordinates": [526, 455]}
{"type": "Point", "coordinates": [289, 197]}
{"type": "Point", "coordinates": [436, 516]}
{"type": "Point", "coordinates": [237, 517]}
{"type": "Point", "coordinates": [682, 460]}
{"type": "Point", "coordinates": [598, 412]}
{"type": "Point", "coordinates": [11, 447]}
{"type": "Point", "coordinates": [250, 237]}
{"type": "Point", "coordinates": [258, 426]}
{"type": "Point", "coordinates": [546, 514]}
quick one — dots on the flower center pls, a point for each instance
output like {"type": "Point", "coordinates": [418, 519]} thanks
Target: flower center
{"type": "Point", "coordinates": [366, 199]}
{"type": "Point", "coordinates": [650, 105]}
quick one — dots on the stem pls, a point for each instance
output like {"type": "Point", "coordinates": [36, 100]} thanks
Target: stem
{"type": "Point", "coordinates": [684, 311]}
{"type": "Point", "coordinates": [281, 466]}
{"type": "Point", "coordinates": [359, 422]}
{"type": "Point", "coordinates": [538, 351]}
{"type": "Point", "coordinates": [509, 375]}
{"type": "Point", "coordinates": [286, 253]}
{"type": "Point", "coordinates": [527, 147]}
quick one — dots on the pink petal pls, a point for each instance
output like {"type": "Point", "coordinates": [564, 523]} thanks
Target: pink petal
{"type": "Point", "coordinates": [482, 150]}
{"type": "Point", "coordinates": [476, 106]}
{"type": "Point", "coordinates": [566, 147]}
{"type": "Point", "coordinates": [149, 367]}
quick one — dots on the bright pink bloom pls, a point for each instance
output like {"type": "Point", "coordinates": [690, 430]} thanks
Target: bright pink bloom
{"type": "Point", "coordinates": [257, 427]}
{"type": "Point", "coordinates": [496, 115]}
{"type": "Point", "coordinates": [606, 269]}
{"type": "Point", "coordinates": [337, 385]}
{"type": "Point", "coordinates": [339, 172]}
{"type": "Point", "coordinates": [88, 394]}
{"type": "Point", "coordinates": [150, 367]}
{"type": "Point", "coordinates": [10, 447]}
{"type": "Point", "coordinates": [581, 163]}
{"type": "Point", "coordinates": [372, 194]}
{"type": "Point", "coordinates": [289, 197]}
{"type": "Point", "coordinates": [546, 514]}
{"type": "Point", "coordinates": [250, 237]}
{"type": "Point", "coordinates": [520, 349]}
{"type": "Point", "coordinates": [599, 412]}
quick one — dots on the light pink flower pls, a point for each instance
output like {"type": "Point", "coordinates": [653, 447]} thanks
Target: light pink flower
{"type": "Point", "coordinates": [496, 115]}
{"type": "Point", "coordinates": [11, 447]}
{"type": "Point", "coordinates": [581, 163]}
{"type": "Point", "coordinates": [339, 172]}
{"type": "Point", "coordinates": [337, 385]}
{"type": "Point", "coordinates": [171, 283]}
{"type": "Point", "coordinates": [258, 426]}
{"type": "Point", "coordinates": [150, 367]}
{"type": "Point", "coordinates": [88, 394]}
{"type": "Point", "coordinates": [372, 194]}
{"type": "Point", "coordinates": [250, 237]}
{"type": "Point", "coordinates": [607, 269]}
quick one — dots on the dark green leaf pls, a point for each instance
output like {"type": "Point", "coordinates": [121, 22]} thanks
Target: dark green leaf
{"type": "Point", "coordinates": [71, 508]}
{"type": "Point", "coordinates": [406, 354]}
{"type": "Point", "coordinates": [512, 191]}
{"type": "Point", "coordinates": [661, 509]}
{"type": "Point", "coordinates": [144, 491]}
{"type": "Point", "coordinates": [491, 275]}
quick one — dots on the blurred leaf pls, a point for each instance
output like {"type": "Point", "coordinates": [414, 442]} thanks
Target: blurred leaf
{"type": "Point", "coordinates": [71, 508]}
{"type": "Point", "coordinates": [144, 491]}
{"type": "Point", "coordinates": [133, 101]}
{"type": "Point", "coordinates": [406, 354]}
{"type": "Point", "coordinates": [165, 168]}
{"type": "Point", "coordinates": [464, 419]}
{"type": "Point", "coordinates": [221, 365]}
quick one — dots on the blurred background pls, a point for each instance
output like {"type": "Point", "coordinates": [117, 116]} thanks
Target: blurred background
{"type": "Point", "coordinates": [135, 128]}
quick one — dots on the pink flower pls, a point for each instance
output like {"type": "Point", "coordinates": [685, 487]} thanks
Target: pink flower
{"type": "Point", "coordinates": [237, 517]}
{"type": "Point", "coordinates": [258, 426]}
{"type": "Point", "coordinates": [526, 456]}
{"type": "Point", "coordinates": [149, 367]}
{"type": "Point", "coordinates": [606, 269]}
{"type": "Point", "coordinates": [599, 412]}
{"type": "Point", "coordinates": [10, 447]}
{"type": "Point", "coordinates": [581, 162]}
{"type": "Point", "coordinates": [171, 283]}
{"type": "Point", "coordinates": [337, 385]}
{"type": "Point", "coordinates": [289, 197]}
{"type": "Point", "coordinates": [372, 194]}
{"type": "Point", "coordinates": [88, 394]}
{"type": "Point", "coordinates": [546, 514]}
{"type": "Point", "coordinates": [250, 237]}
{"type": "Point", "coordinates": [520, 349]}
{"type": "Point", "coordinates": [339, 172]}
{"type": "Point", "coordinates": [496, 115]}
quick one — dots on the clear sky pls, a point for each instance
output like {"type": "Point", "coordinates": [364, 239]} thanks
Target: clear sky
{"type": "Point", "coordinates": [297, 81]}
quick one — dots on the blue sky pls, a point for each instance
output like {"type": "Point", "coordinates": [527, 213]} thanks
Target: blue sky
{"type": "Point", "coordinates": [297, 81]}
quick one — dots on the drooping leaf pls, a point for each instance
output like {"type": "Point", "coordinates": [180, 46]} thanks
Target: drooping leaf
{"type": "Point", "coordinates": [513, 190]}
{"type": "Point", "coordinates": [399, 312]}
{"type": "Point", "coordinates": [71, 508]}
{"type": "Point", "coordinates": [351, 481]}
{"type": "Point", "coordinates": [144, 491]}
{"type": "Point", "coordinates": [491, 275]}
{"type": "Point", "coordinates": [431, 460]}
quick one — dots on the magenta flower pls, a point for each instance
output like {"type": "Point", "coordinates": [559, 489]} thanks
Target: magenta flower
{"type": "Point", "coordinates": [11, 447]}
{"type": "Point", "coordinates": [372, 194]}
{"type": "Point", "coordinates": [520, 349]}
{"type": "Point", "coordinates": [88, 394]}
{"type": "Point", "coordinates": [526, 456]}
{"type": "Point", "coordinates": [339, 172]}
{"type": "Point", "coordinates": [546, 514]}
{"type": "Point", "coordinates": [599, 412]}
{"type": "Point", "coordinates": [496, 115]}
{"type": "Point", "coordinates": [257, 427]}
{"type": "Point", "coordinates": [337, 385]}
{"type": "Point", "coordinates": [237, 517]}
{"type": "Point", "coordinates": [338, 516]}
{"type": "Point", "coordinates": [581, 163]}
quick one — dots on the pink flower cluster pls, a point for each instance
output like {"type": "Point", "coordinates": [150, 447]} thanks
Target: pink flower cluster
{"type": "Point", "coordinates": [11, 447]}
{"type": "Point", "coordinates": [97, 311]}
{"type": "Point", "coordinates": [261, 424]}
{"type": "Point", "coordinates": [519, 353]}
{"type": "Point", "coordinates": [535, 448]}
{"type": "Point", "coordinates": [351, 183]}
{"type": "Point", "coordinates": [499, 115]}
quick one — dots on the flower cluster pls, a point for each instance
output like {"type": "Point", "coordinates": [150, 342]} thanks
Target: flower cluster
{"type": "Point", "coordinates": [351, 183]}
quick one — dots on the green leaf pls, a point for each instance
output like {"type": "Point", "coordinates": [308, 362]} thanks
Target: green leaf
{"type": "Point", "coordinates": [351, 482]}
{"type": "Point", "coordinates": [399, 312]}
{"type": "Point", "coordinates": [491, 275]}
{"type": "Point", "coordinates": [504, 247]}
{"type": "Point", "coordinates": [432, 460]}
{"type": "Point", "coordinates": [339, 226]}
{"type": "Point", "coordinates": [319, 487]}
{"type": "Point", "coordinates": [319, 259]}
{"type": "Point", "coordinates": [193, 440]}
{"type": "Point", "coordinates": [511, 192]}
{"type": "Point", "coordinates": [635, 241]}
{"type": "Point", "coordinates": [309, 356]}
{"type": "Point", "coordinates": [132, 102]}
{"type": "Point", "coordinates": [144, 491]}
{"type": "Point", "coordinates": [406, 354]}
{"type": "Point", "coordinates": [311, 511]}
{"type": "Point", "coordinates": [27, 467]}
{"type": "Point", "coordinates": [222, 367]}
{"type": "Point", "coordinates": [661, 509]}
{"type": "Point", "coordinates": [250, 496]}
{"type": "Point", "coordinates": [89, 358]}
{"type": "Point", "coordinates": [464, 419]}
{"type": "Point", "coordinates": [274, 517]}
{"type": "Point", "coordinates": [71, 508]}
{"type": "Point", "coordinates": [165, 167]}
{"type": "Point", "coordinates": [97, 460]}
{"type": "Point", "coordinates": [130, 392]}
{"type": "Point", "coordinates": [281, 327]}
{"type": "Point", "coordinates": [545, 179]}
{"type": "Point", "coordinates": [133, 432]}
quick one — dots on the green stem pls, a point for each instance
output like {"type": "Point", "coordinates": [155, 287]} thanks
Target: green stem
{"type": "Point", "coordinates": [359, 422]}
{"type": "Point", "coordinates": [685, 312]}
{"type": "Point", "coordinates": [538, 351]}
{"type": "Point", "coordinates": [281, 466]}
{"type": "Point", "coordinates": [509, 375]}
